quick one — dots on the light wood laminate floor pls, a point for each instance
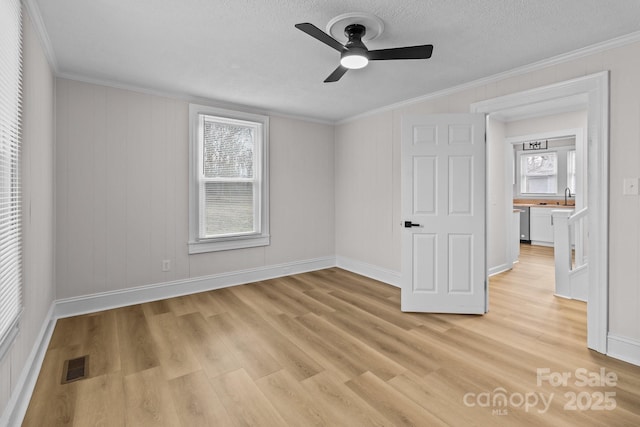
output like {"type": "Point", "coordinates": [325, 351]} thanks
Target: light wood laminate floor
{"type": "Point", "coordinates": [332, 348]}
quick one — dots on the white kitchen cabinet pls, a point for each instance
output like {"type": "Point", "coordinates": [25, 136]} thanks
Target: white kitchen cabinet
{"type": "Point", "coordinates": [540, 227]}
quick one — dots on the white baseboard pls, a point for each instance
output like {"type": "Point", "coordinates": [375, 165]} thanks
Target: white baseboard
{"type": "Point", "coordinates": [372, 271]}
{"type": "Point", "coordinates": [625, 349]}
{"type": "Point", "coordinates": [17, 406]}
{"type": "Point", "coordinates": [499, 269]}
{"type": "Point", "coordinates": [121, 298]}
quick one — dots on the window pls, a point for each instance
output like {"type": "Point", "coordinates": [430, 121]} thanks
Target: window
{"type": "Point", "coordinates": [229, 187]}
{"type": "Point", "coordinates": [10, 203]}
{"type": "Point", "coordinates": [539, 173]}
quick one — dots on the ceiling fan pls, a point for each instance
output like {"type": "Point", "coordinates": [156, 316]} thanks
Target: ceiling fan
{"type": "Point", "coordinates": [354, 54]}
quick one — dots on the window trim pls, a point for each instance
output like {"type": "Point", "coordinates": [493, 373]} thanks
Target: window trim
{"type": "Point", "coordinates": [263, 238]}
{"type": "Point", "coordinates": [560, 175]}
{"type": "Point", "coordinates": [574, 174]}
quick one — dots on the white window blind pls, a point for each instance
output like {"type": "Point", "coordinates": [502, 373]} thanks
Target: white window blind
{"type": "Point", "coordinates": [10, 202]}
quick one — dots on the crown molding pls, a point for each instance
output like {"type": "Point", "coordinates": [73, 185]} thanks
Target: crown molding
{"type": "Point", "coordinates": [554, 60]}
{"type": "Point", "coordinates": [188, 98]}
{"type": "Point", "coordinates": [31, 6]}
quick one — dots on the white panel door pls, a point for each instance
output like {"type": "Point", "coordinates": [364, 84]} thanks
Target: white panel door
{"type": "Point", "coordinates": [443, 213]}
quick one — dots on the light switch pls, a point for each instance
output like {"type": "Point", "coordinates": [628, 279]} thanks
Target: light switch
{"type": "Point", "coordinates": [630, 187]}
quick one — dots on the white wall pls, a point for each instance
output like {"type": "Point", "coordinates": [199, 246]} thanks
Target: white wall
{"type": "Point", "coordinates": [37, 194]}
{"type": "Point", "coordinates": [360, 137]}
{"type": "Point", "coordinates": [122, 192]}
{"type": "Point", "coordinates": [498, 223]}
{"type": "Point", "coordinates": [550, 123]}
{"type": "Point", "coordinates": [364, 193]}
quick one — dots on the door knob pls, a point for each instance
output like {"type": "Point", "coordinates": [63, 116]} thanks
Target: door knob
{"type": "Point", "coordinates": [409, 224]}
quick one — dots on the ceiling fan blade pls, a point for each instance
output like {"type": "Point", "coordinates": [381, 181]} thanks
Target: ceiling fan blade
{"type": "Point", "coordinates": [336, 75]}
{"type": "Point", "coordinates": [409, 52]}
{"type": "Point", "coordinates": [318, 34]}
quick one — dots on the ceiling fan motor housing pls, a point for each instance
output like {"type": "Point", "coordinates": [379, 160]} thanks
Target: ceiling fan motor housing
{"type": "Point", "coordinates": [355, 55]}
{"type": "Point", "coordinates": [355, 32]}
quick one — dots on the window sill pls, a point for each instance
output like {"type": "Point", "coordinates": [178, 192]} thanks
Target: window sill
{"type": "Point", "coordinates": [228, 244]}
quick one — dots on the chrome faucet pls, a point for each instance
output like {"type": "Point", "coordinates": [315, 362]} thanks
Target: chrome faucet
{"type": "Point", "coordinates": [566, 190]}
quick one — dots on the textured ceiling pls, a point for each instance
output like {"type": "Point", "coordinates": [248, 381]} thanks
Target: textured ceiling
{"type": "Point", "coordinates": [249, 53]}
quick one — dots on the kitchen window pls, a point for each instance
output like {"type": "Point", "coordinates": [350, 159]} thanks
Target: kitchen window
{"type": "Point", "coordinates": [229, 185]}
{"type": "Point", "coordinates": [539, 173]}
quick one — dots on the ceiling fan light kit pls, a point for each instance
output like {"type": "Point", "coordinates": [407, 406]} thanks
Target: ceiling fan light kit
{"type": "Point", "coordinates": [354, 61]}
{"type": "Point", "coordinates": [354, 54]}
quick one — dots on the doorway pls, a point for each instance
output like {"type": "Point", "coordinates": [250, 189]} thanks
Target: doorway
{"type": "Point", "coordinates": [548, 175]}
{"type": "Point", "coordinates": [592, 93]}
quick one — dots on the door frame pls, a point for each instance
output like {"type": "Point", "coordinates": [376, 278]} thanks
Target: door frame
{"type": "Point", "coordinates": [591, 91]}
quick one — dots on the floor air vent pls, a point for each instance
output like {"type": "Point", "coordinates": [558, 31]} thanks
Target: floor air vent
{"type": "Point", "coordinates": [75, 369]}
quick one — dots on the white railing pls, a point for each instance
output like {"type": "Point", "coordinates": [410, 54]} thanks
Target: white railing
{"type": "Point", "coordinates": [569, 236]}
{"type": "Point", "coordinates": [578, 222]}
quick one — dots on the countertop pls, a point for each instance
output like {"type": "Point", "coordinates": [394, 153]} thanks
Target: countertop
{"type": "Point", "coordinates": [554, 206]}
{"type": "Point", "coordinates": [544, 203]}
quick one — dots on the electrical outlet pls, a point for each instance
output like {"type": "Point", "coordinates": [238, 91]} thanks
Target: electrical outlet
{"type": "Point", "coordinates": [630, 187]}
{"type": "Point", "coordinates": [166, 265]}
